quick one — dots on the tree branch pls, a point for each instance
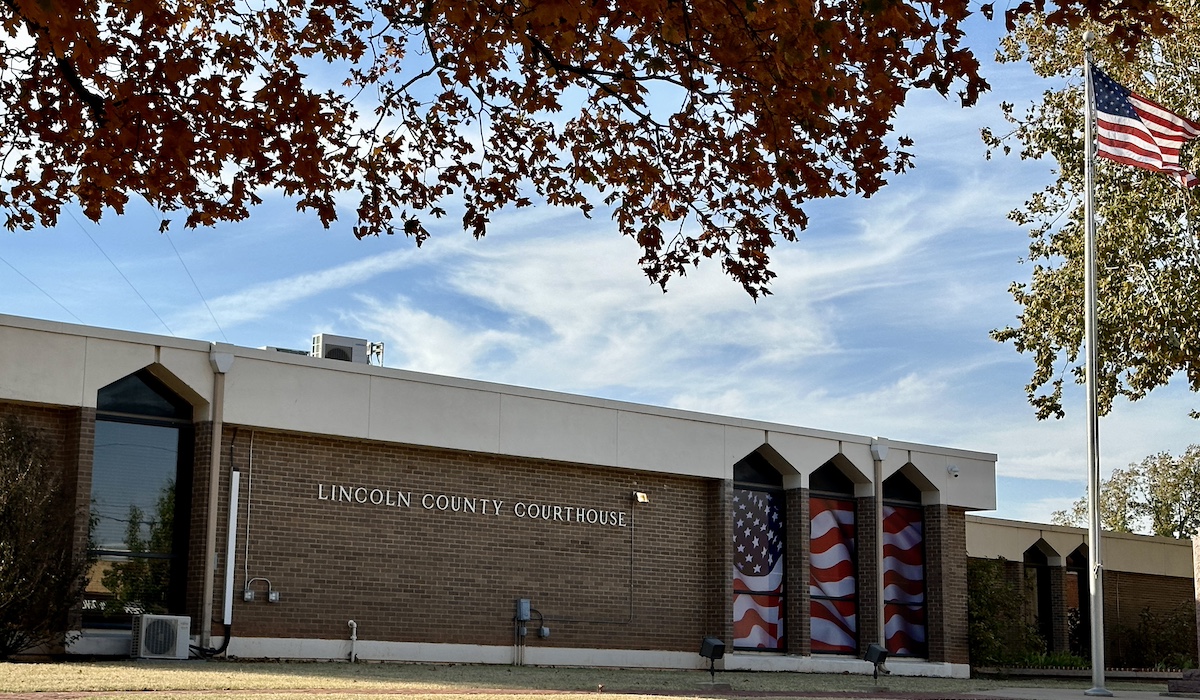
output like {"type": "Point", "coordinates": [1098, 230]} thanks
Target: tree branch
{"type": "Point", "coordinates": [96, 103]}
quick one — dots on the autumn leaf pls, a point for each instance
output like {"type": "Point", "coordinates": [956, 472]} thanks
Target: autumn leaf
{"type": "Point", "coordinates": [412, 108]}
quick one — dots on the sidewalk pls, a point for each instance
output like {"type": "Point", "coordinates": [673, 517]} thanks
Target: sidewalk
{"type": "Point", "coordinates": [1065, 694]}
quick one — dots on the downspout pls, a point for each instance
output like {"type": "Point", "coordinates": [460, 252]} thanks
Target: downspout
{"type": "Point", "coordinates": [221, 363]}
{"type": "Point", "coordinates": [879, 450]}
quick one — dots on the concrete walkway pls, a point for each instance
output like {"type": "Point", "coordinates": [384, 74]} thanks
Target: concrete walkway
{"type": "Point", "coordinates": [1067, 694]}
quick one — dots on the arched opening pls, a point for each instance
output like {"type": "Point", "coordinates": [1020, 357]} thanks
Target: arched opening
{"type": "Point", "coordinates": [833, 562]}
{"type": "Point", "coordinates": [140, 502]}
{"type": "Point", "coordinates": [1078, 603]}
{"type": "Point", "coordinates": [904, 611]}
{"type": "Point", "coordinates": [758, 547]}
{"type": "Point", "coordinates": [1038, 583]}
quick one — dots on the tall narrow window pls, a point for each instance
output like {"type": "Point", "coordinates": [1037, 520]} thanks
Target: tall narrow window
{"type": "Point", "coordinates": [140, 501]}
{"type": "Point", "coordinates": [903, 568]}
{"type": "Point", "coordinates": [832, 584]}
{"type": "Point", "coordinates": [758, 519]}
{"type": "Point", "coordinates": [1078, 593]}
{"type": "Point", "coordinates": [1037, 579]}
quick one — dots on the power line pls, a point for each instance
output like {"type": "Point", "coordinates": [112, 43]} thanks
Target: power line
{"type": "Point", "coordinates": [196, 286]}
{"type": "Point", "coordinates": [119, 272]}
{"type": "Point", "coordinates": [35, 286]}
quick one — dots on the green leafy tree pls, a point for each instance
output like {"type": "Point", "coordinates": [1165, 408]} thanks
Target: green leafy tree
{"type": "Point", "coordinates": [1148, 253]}
{"type": "Point", "coordinates": [1120, 508]}
{"type": "Point", "coordinates": [1158, 496]}
{"type": "Point", "coordinates": [42, 575]}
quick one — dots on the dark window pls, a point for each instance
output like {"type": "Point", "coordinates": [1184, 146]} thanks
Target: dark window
{"type": "Point", "coordinates": [830, 479]}
{"type": "Point", "coordinates": [141, 473]}
{"type": "Point", "coordinates": [755, 470]}
{"type": "Point", "coordinates": [1037, 573]}
{"type": "Point", "coordinates": [1079, 602]}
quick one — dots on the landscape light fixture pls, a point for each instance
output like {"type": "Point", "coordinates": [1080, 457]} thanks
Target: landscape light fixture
{"type": "Point", "coordinates": [712, 649]}
{"type": "Point", "coordinates": [877, 655]}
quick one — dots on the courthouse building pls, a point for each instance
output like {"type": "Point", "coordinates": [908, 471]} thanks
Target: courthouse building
{"type": "Point", "coordinates": [270, 504]}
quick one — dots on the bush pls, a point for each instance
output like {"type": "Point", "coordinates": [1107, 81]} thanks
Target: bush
{"type": "Point", "coordinates": [996, 629]}
{"type": "Point", "coordinates": [42, 577]}
{"type": "Point", "coordinates": [1052, 659]}
{"type": "Point", "coordinates": [1161, 640]}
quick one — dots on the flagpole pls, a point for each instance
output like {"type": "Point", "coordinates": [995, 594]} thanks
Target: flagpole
{"type": "Point", "coordinates": [1096, 596]}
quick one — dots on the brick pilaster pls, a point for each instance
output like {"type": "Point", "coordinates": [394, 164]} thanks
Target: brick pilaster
{"type": "Point", "coordinates": [868, 591]}
{"type": "Point", "coordinates": [720, 557]}
{"type": "Point", "coordinates": [946, 584]}
{"type": "Point", "coordinates": [796, 627]}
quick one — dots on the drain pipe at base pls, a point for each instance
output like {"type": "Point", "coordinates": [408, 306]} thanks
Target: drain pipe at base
{"type": "Point", "coordinates": [353, 638]}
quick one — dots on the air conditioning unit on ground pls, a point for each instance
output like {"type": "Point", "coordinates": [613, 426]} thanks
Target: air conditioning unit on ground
{"type": "Point", "coordinates": [336, 347]}
{"type": "Point", "coordinates": [161, 636]}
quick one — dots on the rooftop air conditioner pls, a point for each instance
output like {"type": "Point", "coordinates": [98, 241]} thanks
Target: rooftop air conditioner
{"type": "Point", "coordinates": [336, 347]}
{"type": "Point", "coordinates": [160, 637]}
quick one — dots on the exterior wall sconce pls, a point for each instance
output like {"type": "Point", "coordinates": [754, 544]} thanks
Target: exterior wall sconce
{"type": "Point", "coordinates": [641, 497]}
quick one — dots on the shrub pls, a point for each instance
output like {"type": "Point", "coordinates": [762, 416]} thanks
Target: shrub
{"type": "Point", "coordinates": [42, 577]}
{"type": "Point", "coordinates": [996, 629]}
{"type": "Point", "coordinates": [1160, 640]}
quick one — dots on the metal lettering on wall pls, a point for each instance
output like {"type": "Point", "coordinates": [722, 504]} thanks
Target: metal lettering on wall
{"type": "Point", "coordinates": [455, 503]}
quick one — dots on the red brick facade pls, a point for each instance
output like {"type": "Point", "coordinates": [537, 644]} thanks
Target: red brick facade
{"type": "Point", "coordinates": [436, 545]}
{"type": "Point", "coordinates": [429, 545]}
{"type": "Point", "coordinates": [946, 583]}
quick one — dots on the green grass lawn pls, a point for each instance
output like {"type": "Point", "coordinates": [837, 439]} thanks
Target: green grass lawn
{"type": "Point", "coordinates": [292, 681]}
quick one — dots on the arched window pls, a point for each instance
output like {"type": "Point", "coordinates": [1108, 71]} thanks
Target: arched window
{"type": "Point", "coordinates": [1038, 582]}
{"type": "Point", "coordinates": [140, 501]}
{"type": "Point", "coordinates": [1078, 596]}
{"type": "Point", "coordinates": [758, 529]}
{"type": "Point", "coordinates": [903, 568]}
{"type": "Point", "coordinates": [832, 580]}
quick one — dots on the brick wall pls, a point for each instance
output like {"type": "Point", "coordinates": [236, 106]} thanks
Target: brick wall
{"type": "Point", "coordinates": [70, 433]}
{"type": "Point", "coordinates": [946, 583]}
{"type": "Point", "coordinates": [201, 467]}
{"type": "Point", "coordinates": [1060, 629]}
{"type": "Point", "coordinates": [720, 563]}
{"type": "Point", "coordinates": [1127, 594]}
{"type": "Point", "coordinates": [797, 628]}
{"type": "Point", "coordinates": [868, 588]}
{"type": "Point", "coordinates": [423, 572]}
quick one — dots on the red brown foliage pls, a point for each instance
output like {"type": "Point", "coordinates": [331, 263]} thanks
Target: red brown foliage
{"type": "Point", "coordinates": [705, 124]}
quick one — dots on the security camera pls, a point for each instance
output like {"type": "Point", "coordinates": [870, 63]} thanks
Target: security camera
{"type": "Point", "coordinates": [952, 471]}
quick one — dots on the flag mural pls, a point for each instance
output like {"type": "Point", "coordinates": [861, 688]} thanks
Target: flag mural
{"type": "Point", "coordinates": [904, 580]}
{"type": "Point", "coordinates": [757, 569]}
{"type": "Point", "coordinates": [832, 586]}
{"type": "Point", "coordinates": [1137, 131]}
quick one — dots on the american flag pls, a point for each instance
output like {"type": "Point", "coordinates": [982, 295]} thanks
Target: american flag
{"type": "Point", "coordinates": [832, 586]}
{"type": "Point", "coordinates": [1133, 130]}
{"type": "Point", "coordinates": [904, 581]}
{"type": "Point", "coordinates": [757, 569]}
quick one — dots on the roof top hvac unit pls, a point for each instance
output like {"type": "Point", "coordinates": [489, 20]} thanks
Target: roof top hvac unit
{"type": "Point", "coordinates": [336, 347]}
{"type": "Point", "coordinates": [160, 637]}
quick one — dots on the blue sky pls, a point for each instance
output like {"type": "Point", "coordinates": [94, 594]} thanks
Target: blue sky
{"type": "Point", "coordinates": [878, 324]}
